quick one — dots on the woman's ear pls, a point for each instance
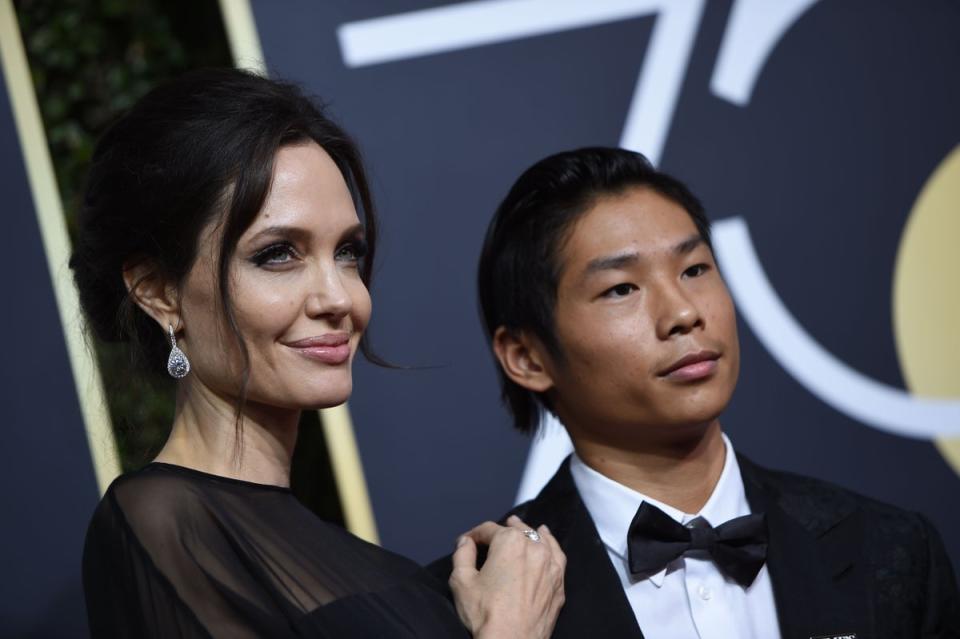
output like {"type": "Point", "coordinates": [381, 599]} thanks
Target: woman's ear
{"type": "Point", "coordinates": [152, 293]}
{"type": "Point", "coordinates": [523, 358]}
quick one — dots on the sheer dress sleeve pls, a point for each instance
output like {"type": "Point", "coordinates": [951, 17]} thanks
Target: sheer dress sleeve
{"type": "Point", "coordinates": [177, 553]}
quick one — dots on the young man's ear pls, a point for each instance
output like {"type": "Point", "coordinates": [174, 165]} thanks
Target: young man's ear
{"type": "Point", "coordinates": [523, 359]}
{"type": "Point", "coordinates": [152, 293]}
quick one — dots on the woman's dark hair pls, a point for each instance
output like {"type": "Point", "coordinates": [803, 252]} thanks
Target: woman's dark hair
{"type": "Point", "coordinates": [196, 150]}
{"type": "Point", "coordinates": [519, 264]}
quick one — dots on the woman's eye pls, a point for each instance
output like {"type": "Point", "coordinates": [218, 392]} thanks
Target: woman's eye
{"type": "Point", "coordinates": [696, 270]}
{"type": "Point", "coordinates": [353, 251]}
{"type": "Point", "coordinates": [274, 254]}
{"type": "Point", "coordinates": [620, 290]}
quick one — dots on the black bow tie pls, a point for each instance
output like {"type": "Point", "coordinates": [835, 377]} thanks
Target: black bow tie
{"type": "Point", "coordinates": [738, 547]}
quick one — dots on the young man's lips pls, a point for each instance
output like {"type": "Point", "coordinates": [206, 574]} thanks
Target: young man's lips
{"type": "Point", "coordinates": [333, 348]}
{"type": "Point", "coordinates": [691, 367]}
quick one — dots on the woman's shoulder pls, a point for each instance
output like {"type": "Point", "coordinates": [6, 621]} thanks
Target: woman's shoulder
{"type": "Point", "coordinates": [154, 505]}
{"type": "Point", "coordinates": [153, 491]}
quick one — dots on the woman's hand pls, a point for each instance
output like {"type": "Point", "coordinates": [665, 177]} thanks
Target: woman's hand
{"type": "Point", "coordinates": [519, 590]}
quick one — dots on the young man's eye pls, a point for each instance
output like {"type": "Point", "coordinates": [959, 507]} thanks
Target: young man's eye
{"type": "Point", "coordinates": [620, 290]}
{"type": "Point", "coordinates": [352, 251]}
{"type": "Point", "coordinates": [696, 270]}
{"type": "Point", "coordinates": [279, 253]}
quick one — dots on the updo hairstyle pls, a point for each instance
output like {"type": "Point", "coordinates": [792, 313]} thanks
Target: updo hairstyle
{"type": "Point", "coordinates": [193, 151]}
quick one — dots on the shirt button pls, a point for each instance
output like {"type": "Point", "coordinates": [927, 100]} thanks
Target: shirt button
{"type": "Point", "coordinates": [704, 592]}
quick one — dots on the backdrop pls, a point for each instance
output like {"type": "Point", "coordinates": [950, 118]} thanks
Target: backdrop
{"type": "Point", "coordinates": [822, 137]}
{"type": "Point", "coordinates": [809, 129]}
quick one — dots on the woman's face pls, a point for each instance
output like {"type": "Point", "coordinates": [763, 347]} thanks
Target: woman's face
{"type": "Point", "coordinates": [296, 291]}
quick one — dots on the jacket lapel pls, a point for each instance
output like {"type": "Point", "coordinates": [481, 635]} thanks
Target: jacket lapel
{"type": "Point", "coordinates": [595, 602]}
{"type": "Point", "coordinates": [814, 541]}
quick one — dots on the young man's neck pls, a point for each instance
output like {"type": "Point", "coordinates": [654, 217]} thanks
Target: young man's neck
{"type": "Point", "coordinates": [679, 471]}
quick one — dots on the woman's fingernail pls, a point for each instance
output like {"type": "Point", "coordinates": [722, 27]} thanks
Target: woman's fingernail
{"type": "Point", "coordinates": [461, 540]}
{"type": "Point", "coordinates": [547, 528]}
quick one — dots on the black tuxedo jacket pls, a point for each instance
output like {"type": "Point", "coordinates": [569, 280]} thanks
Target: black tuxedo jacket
{"type": "Point", "coordinates": [842, 565]}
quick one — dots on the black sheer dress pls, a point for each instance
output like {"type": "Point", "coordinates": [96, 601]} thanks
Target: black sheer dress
{"type": "Point", "coordinates": [174, 552]}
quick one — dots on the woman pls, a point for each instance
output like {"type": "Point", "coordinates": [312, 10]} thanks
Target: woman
{"type": "Point", "coordinates": [219, 236]}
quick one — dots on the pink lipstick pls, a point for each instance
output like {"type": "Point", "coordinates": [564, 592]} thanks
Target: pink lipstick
{"type": "Point", "coordinates": [332, 348]}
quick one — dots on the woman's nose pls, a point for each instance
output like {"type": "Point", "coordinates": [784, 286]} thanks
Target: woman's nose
{"type": "Point", "coordinates": [328, 296]}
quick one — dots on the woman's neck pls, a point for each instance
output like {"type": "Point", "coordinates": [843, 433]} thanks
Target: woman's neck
{"type": "Point", "coordinates": [204, 437]}
{"type": "Point", "coordinates": [679, 472]}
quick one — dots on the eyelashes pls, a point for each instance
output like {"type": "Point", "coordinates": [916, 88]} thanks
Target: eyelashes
{"type": "Point", "coordinates": [624, 289]}
{"type": "Point", "coordinates": [620, 290]}
{"type": "Point", "coordinates": [278, 253]}
{"type": "Point", "coordinates": [697, 270]}
{"type": "Point", "coordinates": [353, 251]}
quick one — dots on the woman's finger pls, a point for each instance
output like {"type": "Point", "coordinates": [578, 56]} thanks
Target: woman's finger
{"type": "Point", "coordinates": [520, 586]}
{"type": "Point", "coordinates": [464, 560]}
{"type": "Point", "coordinates": [483, 533]}
{"type": "Point", "coordinates": [515, 522]}
{"type": "Point", "coordinates": [554, 545]}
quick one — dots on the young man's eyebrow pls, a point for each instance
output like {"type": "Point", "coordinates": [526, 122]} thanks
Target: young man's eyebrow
{"type": "Point", "coordinates": [611, 262]}
{"type": "Point", "coordinates": [688, 245]}
{"type": "Point", "coordinates": [629, 258]}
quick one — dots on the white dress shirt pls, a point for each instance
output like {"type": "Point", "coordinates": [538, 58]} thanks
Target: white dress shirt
{"type": "Point", "coordinates": [690, 598]}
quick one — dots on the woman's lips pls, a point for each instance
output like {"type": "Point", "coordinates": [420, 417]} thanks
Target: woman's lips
{"type": "Point", "coordinates": [333, 349]}
{"type": "Point", "coordinates": [692, 367]}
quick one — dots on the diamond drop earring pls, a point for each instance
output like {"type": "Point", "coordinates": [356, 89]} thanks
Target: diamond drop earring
{"type": "Point", "coordinates": [177, 364]}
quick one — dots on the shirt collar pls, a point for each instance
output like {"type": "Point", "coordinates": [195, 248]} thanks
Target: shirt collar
{"type": "Point", "coordinates": [612, 505]}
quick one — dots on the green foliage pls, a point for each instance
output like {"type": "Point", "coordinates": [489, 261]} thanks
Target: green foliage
{"type": "Point", "coordinates": [92, 59]}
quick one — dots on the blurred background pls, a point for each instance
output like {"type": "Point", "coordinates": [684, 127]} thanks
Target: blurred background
{"type": "Point", "coordinates": [821, 135]}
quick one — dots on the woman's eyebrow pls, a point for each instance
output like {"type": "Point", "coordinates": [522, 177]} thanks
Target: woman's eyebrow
{"type": "Point", "coordinates": [355, 231]}
{"type": "Point", "coordinates": [301, 234]}
{"type": "Point", "coordinates": [286, 232]}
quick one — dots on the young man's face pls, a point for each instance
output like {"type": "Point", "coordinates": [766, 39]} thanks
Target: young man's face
{"type": "Point", "coordinates": [644, 321]}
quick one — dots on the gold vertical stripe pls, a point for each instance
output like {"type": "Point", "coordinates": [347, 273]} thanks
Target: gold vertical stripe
{"type": "Point", "coordinates": [348, 471]}
{"type": "Point", "coordinates": [56, 244]}
{"type": "Point", "coordinates": [242, 34]}
{"type": "Point", "coordinates": [337, 426]}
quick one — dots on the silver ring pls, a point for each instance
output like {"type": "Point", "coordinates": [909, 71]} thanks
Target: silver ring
{"type": "Point", "coordinates": [532, 534]}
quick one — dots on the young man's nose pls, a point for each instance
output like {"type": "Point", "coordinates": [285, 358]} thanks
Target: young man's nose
{"type": "Point", "coordinates": [677, 314]}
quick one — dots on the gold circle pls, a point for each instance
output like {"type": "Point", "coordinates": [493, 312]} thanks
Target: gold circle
{"type": "Point", "coordinates": [926, 293]}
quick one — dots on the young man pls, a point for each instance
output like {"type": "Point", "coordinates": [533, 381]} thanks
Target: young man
{"type": "Point", "coordinates": [604, 305]}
